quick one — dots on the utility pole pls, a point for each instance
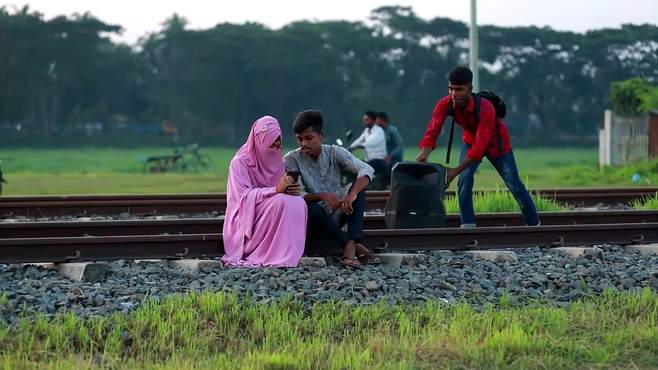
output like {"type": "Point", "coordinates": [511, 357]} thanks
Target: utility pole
{"type": "Point", "coordinates": [473, 38]}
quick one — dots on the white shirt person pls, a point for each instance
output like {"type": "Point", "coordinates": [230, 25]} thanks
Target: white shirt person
{"type": "Point", "coordinates": [373, 139]}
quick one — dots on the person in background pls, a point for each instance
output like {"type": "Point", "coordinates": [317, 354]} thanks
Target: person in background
{"type": "Point", "coordinates": [331, 206]}
{"type": "Point", "coordinates": [2, 179]}
{"type": "Point", "coordinates": [394, 144]}
{"type": "Point", "coordinates": [265, 222]}
{"type": "Point", "coordinates": [373, 139]}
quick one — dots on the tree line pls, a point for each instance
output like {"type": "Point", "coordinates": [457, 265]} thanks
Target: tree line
{"type": "Point", "coordinates": [58, 75]}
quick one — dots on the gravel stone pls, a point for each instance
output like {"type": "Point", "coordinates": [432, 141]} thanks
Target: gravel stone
{"type": "Point", "coordinates": [372, 285]}
{"type": "Point", "coordinates": [449, 277]}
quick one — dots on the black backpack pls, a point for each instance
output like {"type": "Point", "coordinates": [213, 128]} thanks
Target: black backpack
{"type": "Point", "coordinates": [501, 112]}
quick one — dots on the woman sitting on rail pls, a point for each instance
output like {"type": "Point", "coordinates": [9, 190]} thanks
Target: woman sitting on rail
{"type": "Point", "coordinates": [265, 222]}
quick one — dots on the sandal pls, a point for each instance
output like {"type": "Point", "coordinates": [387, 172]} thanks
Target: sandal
{"type": "Point", "coordinates": [368, 258]}
{"type": "Point", "coordinates": [350, 262]}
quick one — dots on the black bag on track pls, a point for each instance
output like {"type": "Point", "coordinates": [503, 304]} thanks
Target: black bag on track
{"type": "Point", "coordinates": [417, 194]}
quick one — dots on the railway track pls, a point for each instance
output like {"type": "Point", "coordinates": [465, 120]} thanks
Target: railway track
{"type": "Point", "coordinates": [164, 204]}
{"type": "Point", "coordinates": [98, 248]}
{"type": "Point", "coordinates": [45, 229]}
{"type": "Point", "coordinates": [59, 241]}
{"type": "Point", "coordinates": [201, 238]}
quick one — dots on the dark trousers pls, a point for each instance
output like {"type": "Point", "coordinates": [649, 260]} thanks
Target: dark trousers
{"type": "Point", "coordinates": [379, 165]}
{"type": "Point", "coordinates": [381, 169]}
{"type": "Point", "coordinates": [320, 222]}
{"type": "Point", "coordinates": [506, 167]}
{"type": "Point", "coordinates": [389, 170]}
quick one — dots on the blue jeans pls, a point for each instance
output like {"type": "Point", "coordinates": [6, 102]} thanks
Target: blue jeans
{"type": "Point", "coordinates": [506, 167]}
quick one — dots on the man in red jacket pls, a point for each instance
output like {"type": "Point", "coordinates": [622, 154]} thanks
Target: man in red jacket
{"type": "Point", "coordinates": [488, 137]}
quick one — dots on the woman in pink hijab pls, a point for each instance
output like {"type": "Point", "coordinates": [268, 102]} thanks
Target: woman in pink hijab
{"type": "Point", "coordinates": [263, 225]}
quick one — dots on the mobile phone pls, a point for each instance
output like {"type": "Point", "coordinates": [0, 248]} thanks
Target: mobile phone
{"type": "Point", "coordinates": [294, 175]}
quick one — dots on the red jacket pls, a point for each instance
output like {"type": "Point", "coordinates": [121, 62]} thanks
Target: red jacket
{"type": "Point", "coordinates": [483, 137]}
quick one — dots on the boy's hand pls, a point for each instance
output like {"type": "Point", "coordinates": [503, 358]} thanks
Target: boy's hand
{"type": "Point", "coordinates": [331, 200]}
{"type": "Point", "coordinates": [424, 154]}
{"type": "Point", "coordinates": [346, 204]}
{"type": "Point", "coordinates": [451, 173]}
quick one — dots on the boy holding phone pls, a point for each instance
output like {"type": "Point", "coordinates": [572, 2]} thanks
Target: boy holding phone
{"type": "Point", "coordinates": [319, 167]}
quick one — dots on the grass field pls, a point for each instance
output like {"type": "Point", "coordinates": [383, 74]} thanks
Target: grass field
{"type": "Point", "coordinates": [222, 331]}
{"type": "Point", "coordinates": [119, 171]}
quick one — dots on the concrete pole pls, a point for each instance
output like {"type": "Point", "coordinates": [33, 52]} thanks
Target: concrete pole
{"type": "Point", "coordinates": [474, 51]}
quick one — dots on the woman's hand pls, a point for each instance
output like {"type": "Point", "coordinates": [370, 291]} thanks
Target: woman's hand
{"type": "Point", "coordinates": [283, 184]}
{"type": "Point", "coordinates": [294, 189]}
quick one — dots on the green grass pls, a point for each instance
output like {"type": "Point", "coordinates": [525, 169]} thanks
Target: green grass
{"type": "Point", "coordinates": [112, 183]}
{"type": "Point", "coordinates": [501, 201]}
{"type": "Point", "coordinates": [222, 331]}
{"type": "Point", "coordinates": [104, 171]}
{"type": "Point", "coordinates": [650, 202]}
{"type": "Point", "coordinates": [93, 160]}
{"type": "Point", "coordinates": [119, 171]}
{"type": "Point", "coordinates": [648, 171]}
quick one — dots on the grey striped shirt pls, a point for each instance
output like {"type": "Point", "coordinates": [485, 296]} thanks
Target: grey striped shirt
{"type": "Point", "coordinates": [323, 175]}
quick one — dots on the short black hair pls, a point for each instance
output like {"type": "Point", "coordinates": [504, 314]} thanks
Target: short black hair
{"type": "Point", "coordinates": [461, 76]}
{"type": "Point", "coordinates": [383, 116]}
{"type": "Point", "coordinates": [308, 118]}
{"type": "Point", "coordinates": [371, 114]}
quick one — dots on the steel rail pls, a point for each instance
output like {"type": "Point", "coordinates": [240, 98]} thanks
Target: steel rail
{"type": "Point", "coordinates": [98, 248]}
{"type": "Point", "coordinates": [163, 204]}
{"type": "Point", "coordinates": [46, 229]}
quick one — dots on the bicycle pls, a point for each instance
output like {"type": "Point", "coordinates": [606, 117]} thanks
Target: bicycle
{"type": "Point", "coordinates": [199, 162]}
{"type": "Point", "coordinates": [164, 163]}
{"type": "Point", "coordinates": [181, 160]}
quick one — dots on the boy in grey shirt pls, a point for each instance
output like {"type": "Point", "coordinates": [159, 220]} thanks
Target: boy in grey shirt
{"type": "Point", "coordinates": [329, 206]}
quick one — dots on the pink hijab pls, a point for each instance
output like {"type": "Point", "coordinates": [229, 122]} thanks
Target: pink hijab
{"type": "Point", "coordinates": [259, 232]}
{"type": "Point", "coordinates": [255, 171]}
{"type": "Point", "coordinates": [266, 164]}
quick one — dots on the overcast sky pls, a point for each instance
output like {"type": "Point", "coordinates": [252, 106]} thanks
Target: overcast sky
{"type": "Point", "coordinates": [138, 17]}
